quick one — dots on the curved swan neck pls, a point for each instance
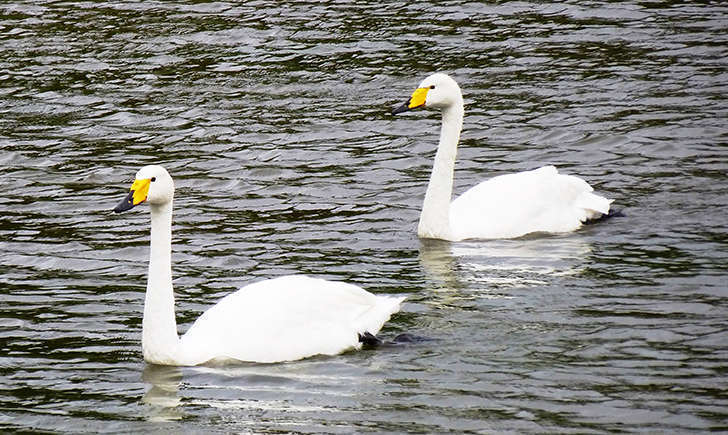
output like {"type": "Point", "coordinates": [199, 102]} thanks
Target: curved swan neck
{"type": "Point", "coordinates": [435, 217]}
{"type": "Point", "coordinates": [160, 341]}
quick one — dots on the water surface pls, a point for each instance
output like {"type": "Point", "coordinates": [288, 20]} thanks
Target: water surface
{"type": "Point", "coordinates": [274, 120]}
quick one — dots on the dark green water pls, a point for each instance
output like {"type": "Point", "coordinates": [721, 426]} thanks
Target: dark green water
{"type": "Point", "coordinates": [274, 120]}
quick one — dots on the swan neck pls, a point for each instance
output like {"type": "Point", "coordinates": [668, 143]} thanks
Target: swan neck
{"type": "Point", "coordinates": [435, 217]}
{"type": "Point", "coordinates": [160, 341]}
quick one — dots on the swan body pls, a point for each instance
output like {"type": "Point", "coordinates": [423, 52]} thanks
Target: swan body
{"type": "Point", "coordinates": [506, 206]}
{"type": "Point", "coordinates": [282, 319]}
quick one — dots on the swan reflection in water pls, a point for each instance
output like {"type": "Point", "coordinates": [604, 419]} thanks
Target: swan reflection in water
{"type": "Point", "coordinates": [487, 267]}
{"type": "Point", "coordinates": [163, 395]}
{"type": "Point", "coordinates": [254, 392]}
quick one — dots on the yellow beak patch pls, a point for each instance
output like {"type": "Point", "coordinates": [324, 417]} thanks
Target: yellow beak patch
{"type": "Point", "coordinates": [419, 96]}
{"type": "Point", "coordinates": [141, 190]}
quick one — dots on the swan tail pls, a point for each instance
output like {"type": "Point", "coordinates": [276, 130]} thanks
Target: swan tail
{"type": "Point", "coordinates": [373, 319]}
{"type": "Point", "coordinates": [594, 206]}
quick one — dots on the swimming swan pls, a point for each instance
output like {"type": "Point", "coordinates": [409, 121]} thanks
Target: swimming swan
{"type": "Point", "coordinates": [281, 319]}
{"type": "Point", "coordinates": [506, 206]}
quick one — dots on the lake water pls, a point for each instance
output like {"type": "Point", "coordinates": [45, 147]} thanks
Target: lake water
{"type": "Point", "coordinates": [274, 119]}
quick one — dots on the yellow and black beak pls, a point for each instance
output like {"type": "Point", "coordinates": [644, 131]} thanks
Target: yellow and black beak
{"type": "Point", "coordinates": [137, 195]}
{"type": "Point", "coordinates": [418, 98]}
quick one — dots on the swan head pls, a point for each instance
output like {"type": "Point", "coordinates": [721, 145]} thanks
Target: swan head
{"type": "Point", "coordinates": [437, 91]}
{"type": "Point", "coordinates": [152, 184]}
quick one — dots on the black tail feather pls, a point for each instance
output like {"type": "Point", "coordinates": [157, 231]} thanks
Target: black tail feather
{"type": "Point", "coordinates": [369, 340]}
{"type": "Point", "coordinates": [612, 213]}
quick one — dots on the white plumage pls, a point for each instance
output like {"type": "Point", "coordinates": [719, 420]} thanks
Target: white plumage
{"type": "Point", "coordinates": [512, 205]}
{"type": "Point", "coordinates": [288, 318]}
{"type": "Point", "coordinates": [281, 319]}
{"type": "Point", "coordinates": [507, 206]}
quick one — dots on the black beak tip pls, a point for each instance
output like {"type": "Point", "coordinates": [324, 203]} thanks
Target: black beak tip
{"type": "Point", "coordinates": [399, 109]}
{"type": "Point", "coordinates": [125, 204]}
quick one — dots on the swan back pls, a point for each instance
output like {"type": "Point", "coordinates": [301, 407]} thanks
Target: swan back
{"type": "Point", "coordinates": [285, 319]}
{"type": "Point", "coordinates": [513, 205]}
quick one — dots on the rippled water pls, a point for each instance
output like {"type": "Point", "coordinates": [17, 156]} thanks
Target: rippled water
{"type": "Point", "coordinates": [274, 120]}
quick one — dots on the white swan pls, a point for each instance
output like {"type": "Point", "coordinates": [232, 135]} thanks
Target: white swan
{"type": "Point", "coordinates": [282, 319]}
{"type": "Point", "coordinates": [506, 206]}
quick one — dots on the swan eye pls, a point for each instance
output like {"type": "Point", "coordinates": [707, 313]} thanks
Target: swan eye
{"type": "Point", "coordinates": [154, 179]}
{"type": "Point", "coordinates": [432, 86]}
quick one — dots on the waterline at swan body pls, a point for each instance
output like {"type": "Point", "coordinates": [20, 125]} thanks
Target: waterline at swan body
{"type": "Point", "coordinates": [282, 319]}
{"type": "Point", "coordinates": [507, 206]}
